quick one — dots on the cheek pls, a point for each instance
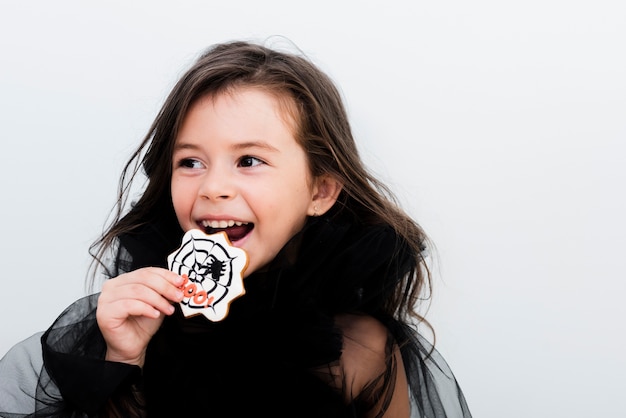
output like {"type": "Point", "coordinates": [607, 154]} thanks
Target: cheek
{"type": "Point", "coordinates": [182, 197]}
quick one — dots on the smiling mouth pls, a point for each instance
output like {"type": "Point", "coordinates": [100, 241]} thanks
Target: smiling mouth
{"type": "Point", "coordinates": [235, 230]}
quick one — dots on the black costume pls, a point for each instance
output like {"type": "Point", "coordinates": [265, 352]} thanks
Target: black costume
{"type": "Point", "coordinates": [277, 353]}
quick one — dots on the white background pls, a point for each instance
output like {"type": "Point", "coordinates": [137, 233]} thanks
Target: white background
{"type": "Point", "coordinates": [501, 126]}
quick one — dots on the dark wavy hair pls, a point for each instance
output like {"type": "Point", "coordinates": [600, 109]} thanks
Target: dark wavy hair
{"type": "Point", "coordinates": [322, 130]}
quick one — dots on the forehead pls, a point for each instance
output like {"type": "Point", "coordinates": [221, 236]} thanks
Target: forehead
{"type": "Point", "coordinates": [239, 117]}
{"type": "Point", "coordinates": [281, 102]}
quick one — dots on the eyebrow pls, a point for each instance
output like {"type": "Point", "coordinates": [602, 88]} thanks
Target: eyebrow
{"type": "Point", "coordinates": [237, 147]}
{"type": "Point", "coordinates": [255, 144]}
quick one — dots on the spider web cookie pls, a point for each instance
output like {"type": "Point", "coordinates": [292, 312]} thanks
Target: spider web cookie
{"type": "Point", "coordinates": [213, 272]}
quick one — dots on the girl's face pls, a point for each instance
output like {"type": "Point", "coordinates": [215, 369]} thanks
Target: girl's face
{"type": "Point", "coordinates": [238, 168]}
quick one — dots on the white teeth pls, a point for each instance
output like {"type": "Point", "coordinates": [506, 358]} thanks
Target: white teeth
{"type": "Point", "coordinates": [222, 224]}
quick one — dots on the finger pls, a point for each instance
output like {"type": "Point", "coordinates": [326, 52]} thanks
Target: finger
{"type": "Point", "coordinates": [116, 313]}
{"type": "Point", "coordinates": [168, 275]}
{"type": "Point", "coordinates": [133, 291]}
{"type": "Point", "coordinates": [164, 282]}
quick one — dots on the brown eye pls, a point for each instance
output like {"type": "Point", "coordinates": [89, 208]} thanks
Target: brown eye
{"type": "Point", "coordinates": [249, 161]}
{"type": "Point", "coordinates": [189, 163]}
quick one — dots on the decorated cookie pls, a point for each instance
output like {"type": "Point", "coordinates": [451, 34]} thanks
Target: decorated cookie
{"type": "Point", "coordinates": [213, 272]}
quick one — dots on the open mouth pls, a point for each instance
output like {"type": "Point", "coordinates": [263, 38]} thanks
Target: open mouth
{"type": "Point", "coordinates": [235, 230]}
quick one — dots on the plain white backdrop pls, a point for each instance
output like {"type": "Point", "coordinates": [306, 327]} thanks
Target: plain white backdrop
{"type": "Point", "coordinates": [500, 125]}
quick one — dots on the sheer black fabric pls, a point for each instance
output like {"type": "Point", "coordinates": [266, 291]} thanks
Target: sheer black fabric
{"type": "Point", "coordinates": [279, 352]}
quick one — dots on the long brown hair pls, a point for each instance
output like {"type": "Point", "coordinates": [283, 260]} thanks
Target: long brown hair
{"type": "Point", "coordinates": [323, 131]}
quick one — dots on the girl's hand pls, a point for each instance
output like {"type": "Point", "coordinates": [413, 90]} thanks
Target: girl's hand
{"type": "Point", "coordinates": [131, 309]}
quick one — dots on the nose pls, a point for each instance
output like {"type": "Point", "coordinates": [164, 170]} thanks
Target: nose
{"type": "Point", "coordinates": [217, 184]}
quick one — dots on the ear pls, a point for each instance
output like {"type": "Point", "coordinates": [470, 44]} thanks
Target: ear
{"type": "Point", "coordinates": [326, 189]}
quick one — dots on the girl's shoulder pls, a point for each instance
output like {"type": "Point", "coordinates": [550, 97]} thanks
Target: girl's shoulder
{"type": "Point", "coordinates": [19, 373]}
{"type": "Point", "coordinates": [372, 363]}
{"type": "Point", "coordinates": [366, 348]}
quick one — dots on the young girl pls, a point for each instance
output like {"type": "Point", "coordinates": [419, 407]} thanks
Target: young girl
{"type": "Point", "coordinates": [255, 143]}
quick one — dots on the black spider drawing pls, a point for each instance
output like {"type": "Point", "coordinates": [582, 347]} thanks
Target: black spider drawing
{"type": "Point", "coordinates": [212, 267]}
